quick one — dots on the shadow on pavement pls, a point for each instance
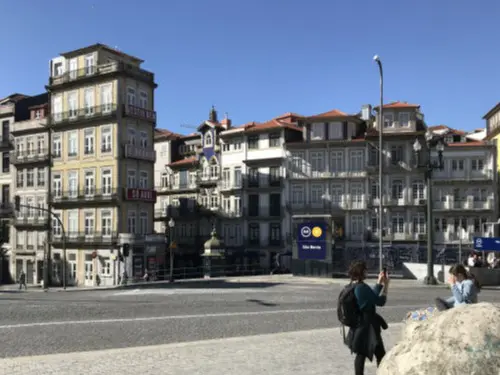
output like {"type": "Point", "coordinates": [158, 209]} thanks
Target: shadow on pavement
{"type": "Point", "coordinates": [262, 303]}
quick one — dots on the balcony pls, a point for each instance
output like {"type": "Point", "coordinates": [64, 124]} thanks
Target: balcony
{"type": "Point", "coordinates": [29, 125]}
{"type": "Point", "coordinates": [263, 183]}
{"type": "Point", "coordinates": [31, 221]}
{"type": "Point", "coordinates": [139, 113]}
{"type": "Point", "coordinates": [445, 176]}
{"type": "Point", "coordinates": [6, 141]}
{"type": "Point", "coordinates": [325, 207]}
{"type": "Point", "coordinates": [228, 186]}
{"type": "Point", "coordinates": [90, 239]}
{"type": "Point", "coordinates": [85, 196]}
{"type": "Point", "coordinates": [96, 71]}
{"type": "Point", "coordinates": [467, 204]}
{"type": "Point", "coordinates": [76, 116]}
{"type": "Point", "coordinates": [6, 209]}
{"type": "Point", "coordinates": [205, 179]}
{"type": "Point", "coordinates": [18, 158]}
{"type": "Point", "coordinates": [139, 153]}
{"type": "Point", "coordinates": [140, 195]}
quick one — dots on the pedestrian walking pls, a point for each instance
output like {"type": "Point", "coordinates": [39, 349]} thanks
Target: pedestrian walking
{"type": "Point", "coordinates": [22, 281]}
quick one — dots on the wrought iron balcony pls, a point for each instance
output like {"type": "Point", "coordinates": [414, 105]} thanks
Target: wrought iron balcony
{"type": "Point", "coordinates": [96, 71]}
{"type": "Point", "coordinates": [32, 157]}
{"type": "Point", "coordinates": [84, 114]}
{"type": "Point", "coordinates": [139, 153]}
{"type": "Point", "coordinates": [31, 221]}
{"type": "Point", "coordinates": [139, 113]}
{"type": "Point", "coordinates": [85, 196]}
{"type": "Point", "coordinates": [88, 238]}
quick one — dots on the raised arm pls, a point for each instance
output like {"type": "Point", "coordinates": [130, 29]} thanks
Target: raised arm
{"type": "Point", "coordinates": [369, 296]}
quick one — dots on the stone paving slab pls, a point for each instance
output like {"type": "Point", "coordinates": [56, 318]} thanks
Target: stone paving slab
{"type": "Point", "coordinates": [314, 352]}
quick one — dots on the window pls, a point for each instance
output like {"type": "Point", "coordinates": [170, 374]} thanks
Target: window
{"type": "Point", "coordinates": [131, 136]}
{"type": "Point", "coordinates": [226, 147]}
{"type": "Point", "coordinates": [274, 234]}
{"type": "Point", "coordinates": [143, 223]}
{"type": "Point", "coordinates": [298, 194]}
{"type": "Point", "coordinates": [5, 162]}
{"type": "Point", "coordinates": [237, 205]}
{"type": "Point", "coordinates": [72, 223]}
{"type": "Point", "coordinates": [30, 177]}
{"type": "Point", "coordinates": [477, 164]}
{"type": "Point", "coordinates": [72, 143]}
{"type": "Point", "coordinates": [374, 224]}
{"type": "Point", "coordinates": [40, 178]}
{"type": "Point", "coordinates": [208, 140]}
{"type": "Point", "coordinates": [335, 130]}
{"type": "Point", "coordinates": [275, 204]}
{"type": "Point", "coordinates": [226, 178]}
{"type": "Point", "coordinates": [89, 183]}
{"type": "Point", "coordinates": [73, 184]}
{"type": "Point", "coordinates": [317, 132]}
{"type": "Point", "coordinates": [357, 225]}
{"type": "Point", "coordinates": [254, 233]}
{"type": "Point", "coordinates": [388, 120]}
{"type": "Point", "coordinates": [56, 225]}
{"type": "Point", "coordinates": [57, 108]}
{"type": "Point", "coordinates": [56, 145]}
{"type": "Point", "coordinates": [30, 146]}
{"type": "Point", "coordinates": [131, 222]}
{"type": "Point", "coordinates": [398, 224]}
{"type": "Point", "coordinates": [89, 64]}
{"type": "Point", "coordinates": [72, 104]}
{"type": "Point", "coordinates": [106, 98]}
{"type": "Point", "coordinates": [41, 204]}
{"type": "Point", "coordinates": [317, 193]}
{"type": "Point", "coordinates": [253, 205]}
{"type": "Point", "coordinates": [130, 96]}
{"type": "Point", "coordinates": [372, 157]}
{"type": "Point", "coordinates": [357, 192]}
{"type": "Point", "coordinates": [237, 144]}
{"type": "Point", "coordinates": [57, 185]}
{"type": "Point", "coordinates": [144, 140]}
{"type": "Point", "coordinates": [30, 202]}
{"type": "Point", "coordinates": [253, 142]}
{"type": "Point", "coordinates": [418, 190]}
{"type": "Point", "coordinates": [274, 176]}
{"type": "Point", "coordinates": [73, 68]}
{"type": "Point", "coordinates": [357, 160]}
{"type": "Point", "coordinates": [317, 161]}
{"type": "Point", "coordinates": [397, 189]}
{"type": "Point", "coordinates": [164, 180]}
{"type": "Point", "coordinates": [143, 180]}
{"type": "Point", "coordinates": [374, 190]}
{"type": "Point", "coordinates": [274, 140]}
{"type": "Point", "coordinates": [89, 102]}
{"type": "Point", "coordinates": [396, 154]}
{"type": "Point", "coordinates": [143, 100]}
{"type": "Point", "coordinates": [20, 178]}
{"type": "Point", "coordinates": [106, 139]}
{"type": "Point", "coordinates": [419, 223]}
{"type": "Point", "coordinates": [19, 147]}
{"type": "Point", "coordinates": [337, 161]}
{"type": "Point", "coordinates": [89, 141]}
{"type": "Point", "coordinates": [253, 177]}
{"type": "Point", "coordinates": [457, 165]}
{"type": "Point", "coordinates": [237, 177]}
{"type": "Point", "coordinates": [337, 194]}
{"type": "Point", "coordinates": [106, 182]}
{"type": "Point", "coordinates": [106, 222]}
{"type": "Point", "coordinates": [404, 119]}
{"type": "Point", "coordinates": [131, 179]}
{"type": "Point", "coordinates": [89, 221]}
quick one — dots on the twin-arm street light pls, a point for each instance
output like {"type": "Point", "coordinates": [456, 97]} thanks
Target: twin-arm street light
{"type": "Point", "coordinates": [436, 142]}
{"type": "Point", "coordinates": [376, 58]}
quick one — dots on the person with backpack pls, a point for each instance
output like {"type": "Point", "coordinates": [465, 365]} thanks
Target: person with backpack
{"type": "Point", "coordinates": [357, 310]}
{"type": "Point", "coordinates": [464, 289]}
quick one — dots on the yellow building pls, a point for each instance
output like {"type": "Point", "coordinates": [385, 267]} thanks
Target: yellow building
{"type": "Point", "coordinates": [102, 128]}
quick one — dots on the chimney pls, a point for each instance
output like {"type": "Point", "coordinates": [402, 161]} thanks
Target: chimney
{"type": "Point", "coordinates": [226, 122]}
{"type": "Point", "coordinates": [366, 112]}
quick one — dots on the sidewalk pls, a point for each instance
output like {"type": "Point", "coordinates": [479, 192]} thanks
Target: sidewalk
{"type": "Point", "coordinates": [314, 352]}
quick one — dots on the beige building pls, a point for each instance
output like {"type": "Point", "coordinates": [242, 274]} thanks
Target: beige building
{"type": "Point", "coordinates": [102, 128]}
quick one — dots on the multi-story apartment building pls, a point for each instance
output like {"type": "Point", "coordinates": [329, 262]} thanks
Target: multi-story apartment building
{"type": "Point", "coordinates": [101, 129]}
{"type": "Point", "coordinates": [29, 170]}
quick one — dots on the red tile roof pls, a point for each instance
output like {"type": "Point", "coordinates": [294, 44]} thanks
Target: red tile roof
{"type": "Point", "coordinates": [467, 144]}
{"type": "Point", "coordinates": [492, 111]}
{"type": "Point", "coordinates": [399, 104]}
{"type": "Point", "coordinates": [444, 127]}
{"type": "Point", "coordinates": [329, 114]}
{"type": "Point", "coordinates": [184, 162]}
{"type": "Point", "coordinates": [165, 134]}
{"type": "Point", "coordinates": [270, 125]}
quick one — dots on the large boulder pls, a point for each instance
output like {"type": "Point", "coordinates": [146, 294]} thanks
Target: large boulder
{"type": "Point", "coordinates": [463, 340]}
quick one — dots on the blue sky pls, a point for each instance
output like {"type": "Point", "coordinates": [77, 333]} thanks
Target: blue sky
{"type": "Point", "coordinates": [258, 59]}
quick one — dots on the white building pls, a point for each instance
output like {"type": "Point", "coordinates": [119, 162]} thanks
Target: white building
{"type": "Point", "coordinates": [29, 170]}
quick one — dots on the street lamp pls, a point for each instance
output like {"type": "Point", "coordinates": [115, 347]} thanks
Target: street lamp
{"type": "Point", "coordinates": [171, 225]}
{"type": "Point", "coordinates": [376, 58]}
{"type": "Point", "coordinates": [436, 142]}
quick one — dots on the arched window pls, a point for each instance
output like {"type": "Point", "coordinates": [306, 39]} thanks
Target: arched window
{"type": "Point", "coordinates": [208, 140]}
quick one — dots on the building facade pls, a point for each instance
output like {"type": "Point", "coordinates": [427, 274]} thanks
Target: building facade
{"type": "Point", "coordinates": [102, 177]}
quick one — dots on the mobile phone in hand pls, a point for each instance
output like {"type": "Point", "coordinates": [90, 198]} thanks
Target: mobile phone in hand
{"type": "Point", "coordinates": [384, 270]}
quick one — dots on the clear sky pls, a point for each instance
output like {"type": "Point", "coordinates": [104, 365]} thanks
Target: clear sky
{"type": "Point", "coordinates": [257, 59]}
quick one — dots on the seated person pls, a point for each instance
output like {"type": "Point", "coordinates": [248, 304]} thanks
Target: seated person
{"type": "Point", "coordinates": [463, 287]}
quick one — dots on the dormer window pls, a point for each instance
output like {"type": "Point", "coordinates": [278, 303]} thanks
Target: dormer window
{"type": "Point", "coordinates": [208, 140]}
{"type": "Point", "coordinates": [404, 119]}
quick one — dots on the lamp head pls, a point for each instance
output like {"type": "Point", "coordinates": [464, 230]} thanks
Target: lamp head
{"type": "Point", "coordinates": [376, 58]}
{"type": "Point", "coordinates": [417, 146]}
{"type": "Point", "coordinates": [440, 146]}
{"type": "Point", "coordinates": [428, 135]}
{"type": "Point", "coordinates": [171, 223]}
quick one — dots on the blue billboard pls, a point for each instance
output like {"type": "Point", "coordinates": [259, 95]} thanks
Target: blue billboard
{"type": "Point", "coordinates": [487, 243]}
{"type": "Point", "coordinates": [311, 240]}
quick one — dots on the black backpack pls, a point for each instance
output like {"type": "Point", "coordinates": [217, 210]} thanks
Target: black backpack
{"type": "Point", "coordinates": [347, 307]}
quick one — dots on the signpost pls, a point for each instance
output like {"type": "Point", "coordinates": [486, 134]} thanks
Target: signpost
{"type": "Point", "coordinates": [487, 243]}
{"type": "Point", "coordinates": [311, 240]}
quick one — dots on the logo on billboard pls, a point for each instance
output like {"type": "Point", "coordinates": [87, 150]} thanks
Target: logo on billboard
{"type": "Point", "coordinates": [317, 232]}
{"type": "Point", "coordinates": [306, 232]}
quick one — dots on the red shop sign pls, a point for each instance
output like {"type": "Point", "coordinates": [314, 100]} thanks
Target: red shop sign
{"type": "Point", "coordinates": [141, 195]}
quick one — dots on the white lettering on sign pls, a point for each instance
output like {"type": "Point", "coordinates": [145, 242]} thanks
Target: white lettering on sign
{"type": "Point", "coordinates": [140, 194]}
{"type": "Point", "coordinates": [311, 247]}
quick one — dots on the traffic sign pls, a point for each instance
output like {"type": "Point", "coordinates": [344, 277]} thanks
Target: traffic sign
{"type": "Point", "coordinates": [487, 243]}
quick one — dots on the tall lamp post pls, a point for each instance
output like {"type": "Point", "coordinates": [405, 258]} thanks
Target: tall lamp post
{"type": "Point", "coordinates": [171, 225]}
{"type": "Point", "coordinates": [376, 58]}
{"type": "Point", "coordinates": [436, 142]}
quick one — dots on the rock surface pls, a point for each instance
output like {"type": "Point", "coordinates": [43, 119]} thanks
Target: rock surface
{"type": "Point", "coordinates": [464, 340]}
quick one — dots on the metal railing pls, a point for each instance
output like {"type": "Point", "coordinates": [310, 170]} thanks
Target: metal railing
{"type": "Point", "coordinates": [85, 195]}
{"type": "Point", "coordinates": [83, 114]}
{"type": "Point", "coordinates": [34, 156]}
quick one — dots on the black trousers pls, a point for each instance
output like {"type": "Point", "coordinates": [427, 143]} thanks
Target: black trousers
{"type": "Point", "coordinates": [442, 305]}
{"type": "Point", "coordinates": [359, 361]}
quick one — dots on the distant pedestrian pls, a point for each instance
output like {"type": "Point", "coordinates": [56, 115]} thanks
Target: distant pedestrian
{"type": "Point", "coordinates": [146, 275]}
{"type": "Point", "coordinates": [22, 281]}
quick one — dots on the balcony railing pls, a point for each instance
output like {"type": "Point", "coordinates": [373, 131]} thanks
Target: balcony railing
{"type": "Point", "coordinates": [35, 221]}
{"type": "Point", "coordinates": [140, 153]}
{"type": "Point", "coordinates": [83, 114]}
{"type": "Point", "coordinates": [140, 113]}
{"type": "Point", "coordinates": [85, 195]}
{"type": "Point", "coordinates": [29, 157]}
{"type": "Point", "coordinates": [89, 238]}
{"type": "Point", "coordinates": [100, 70]}
{"type": "Point", "coordinates": [228, 185]}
